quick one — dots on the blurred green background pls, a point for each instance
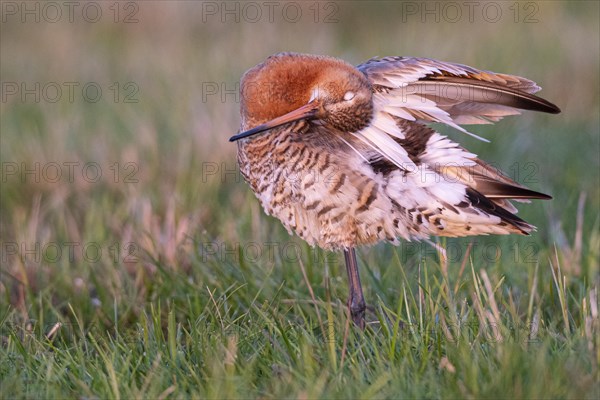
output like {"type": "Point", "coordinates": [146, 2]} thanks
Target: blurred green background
{"type": "Point", "coordinates": [140, 177]}
{"type": "Point", "coordinates": [169, 74]}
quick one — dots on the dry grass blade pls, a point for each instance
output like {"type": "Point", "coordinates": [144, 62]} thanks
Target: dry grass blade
{"type": "Point", "coordinates": [560, 285]}
{"type": "Point", "coordinates": [311, 291]}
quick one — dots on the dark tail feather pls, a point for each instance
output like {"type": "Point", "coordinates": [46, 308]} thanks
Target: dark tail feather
{"type": "Point", "coordinates": [500, 190]}
{"type": "Point", "coordinates": [481, 202]}
{"type": "Point", "coordinates": [488, 92]}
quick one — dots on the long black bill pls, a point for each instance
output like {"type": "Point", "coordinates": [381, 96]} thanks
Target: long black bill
{"type": "Point", "coordinates": [306, 111]}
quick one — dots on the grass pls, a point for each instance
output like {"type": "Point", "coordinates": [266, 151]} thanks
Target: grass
{"type": "Point", "coordinates": [162, 278]}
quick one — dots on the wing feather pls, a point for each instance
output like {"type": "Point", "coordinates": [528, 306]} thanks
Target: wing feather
{"type": "Point", "coordinates": [435, 91]}
{"type": "Point", "coordinates": [409, 93]}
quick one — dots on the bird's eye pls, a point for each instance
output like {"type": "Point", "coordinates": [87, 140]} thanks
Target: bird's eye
{"type": "Point", "coordinates": [349, 96]}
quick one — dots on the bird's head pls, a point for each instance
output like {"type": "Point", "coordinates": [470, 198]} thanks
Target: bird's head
{"type": "Point", "coordinates": [289, 87]}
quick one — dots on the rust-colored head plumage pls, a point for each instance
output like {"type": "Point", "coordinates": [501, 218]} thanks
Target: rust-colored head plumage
{"type": "Point", "coordinates": [343, 156]}
{"type": "Point", "coordinates": [290, 86]}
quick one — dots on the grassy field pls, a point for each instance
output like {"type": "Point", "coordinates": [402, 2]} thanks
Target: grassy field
{"type": "Point", "coordinates": [136, 263]}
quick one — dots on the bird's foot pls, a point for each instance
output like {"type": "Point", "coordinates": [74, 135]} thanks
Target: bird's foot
{"type": "Point", "coordinates": [357, 309]}
{"type": "Point", "coordinates": [363, 315]}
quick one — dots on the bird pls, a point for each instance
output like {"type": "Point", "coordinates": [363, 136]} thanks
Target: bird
{"type": "Point", "coordinates": [345, 156]}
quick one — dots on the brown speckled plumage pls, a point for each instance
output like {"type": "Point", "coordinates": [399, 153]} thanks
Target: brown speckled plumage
{"type": "Point", "coordinates": [343, 157]}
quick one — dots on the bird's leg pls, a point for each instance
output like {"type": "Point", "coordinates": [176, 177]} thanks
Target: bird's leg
{"type": "Point", "coordinates": [356, 300]}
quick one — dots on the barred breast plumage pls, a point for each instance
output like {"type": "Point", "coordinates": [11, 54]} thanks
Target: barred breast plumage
{"type": "Point", "coordinates": [343, 156]}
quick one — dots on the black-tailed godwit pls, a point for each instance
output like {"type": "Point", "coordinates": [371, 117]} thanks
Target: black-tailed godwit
{"type": "Point", "coordinates": [343, 156]}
